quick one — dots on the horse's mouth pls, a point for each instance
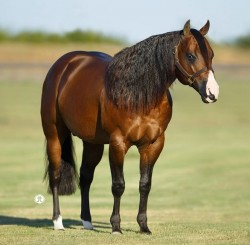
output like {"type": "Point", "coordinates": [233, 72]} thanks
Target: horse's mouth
{"type": "Point", "coordinates": [204, 100]}
{"type": "Point", "coordinates": [207, 100]}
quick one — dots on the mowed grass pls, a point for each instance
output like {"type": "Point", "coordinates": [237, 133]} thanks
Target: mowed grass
{"type": "Point", "coordinates": [200, 190]}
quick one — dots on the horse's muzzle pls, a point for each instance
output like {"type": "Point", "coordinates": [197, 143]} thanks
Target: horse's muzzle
{"type": "Point", "coordinates": [206, 95]}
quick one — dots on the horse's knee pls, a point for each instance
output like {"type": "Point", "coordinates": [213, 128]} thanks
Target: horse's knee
{"type": "Point", "coordinates": [145, 187]}
{"type": "Point", "coordinates": [118, 188]}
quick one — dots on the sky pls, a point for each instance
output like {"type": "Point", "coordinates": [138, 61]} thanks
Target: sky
{"type": "Point", "coordinates": [134, 20]}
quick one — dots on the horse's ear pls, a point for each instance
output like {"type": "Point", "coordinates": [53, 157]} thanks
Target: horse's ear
{"type": "Point", "coordinates": [186, 28]}
{"type": "Point", "coordinates": [205, 28]}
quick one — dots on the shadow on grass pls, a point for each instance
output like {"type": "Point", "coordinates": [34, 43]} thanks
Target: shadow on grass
{"type": "Point", "coordinates": [99, 227]}
{"type": "Point", "coordinates": [8, 220]}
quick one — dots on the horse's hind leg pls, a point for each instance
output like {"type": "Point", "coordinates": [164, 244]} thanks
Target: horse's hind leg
{"type": "Point", "coordinates": [61, 169]}
{"type": "Point", "coordinates": [54, 167]}
{"type": "Point", "coordinates": [92, 155]}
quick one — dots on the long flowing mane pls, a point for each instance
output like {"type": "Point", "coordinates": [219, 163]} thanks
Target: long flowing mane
{"type": "Point", "coordinates": [138, 76]}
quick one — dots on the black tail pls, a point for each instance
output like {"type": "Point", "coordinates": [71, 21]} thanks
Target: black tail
{"type": "Point", "coordinates": [69, 176]}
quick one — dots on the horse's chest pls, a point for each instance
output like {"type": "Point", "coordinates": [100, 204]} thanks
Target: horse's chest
{"type": "Point", "coordinates": [136, 128]}
{"type": "Point", "coordinates": [144, 130]}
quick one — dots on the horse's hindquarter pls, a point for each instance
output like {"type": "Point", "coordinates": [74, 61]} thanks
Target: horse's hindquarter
{"type": "Point", "coordinates": [79, 95]}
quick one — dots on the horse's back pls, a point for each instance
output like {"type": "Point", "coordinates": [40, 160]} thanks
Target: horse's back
{"type": "Point", "coordinates": [71, 92]}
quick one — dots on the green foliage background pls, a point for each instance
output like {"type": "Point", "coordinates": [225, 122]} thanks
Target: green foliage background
{"type": "Point", "coordinates": [73, 36]}
{"type": "Point", "coordinates": [86, 36]}
{"type": "Point", "coordinates": [243, 41]}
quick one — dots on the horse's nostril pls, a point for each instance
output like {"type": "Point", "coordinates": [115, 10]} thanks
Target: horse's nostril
{"type": "Point", "coordinates": [211, 96]}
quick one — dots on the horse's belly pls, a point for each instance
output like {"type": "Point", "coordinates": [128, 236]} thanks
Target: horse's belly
{"type": "Point", "coordinates": [78, 102]}
{"type": "Point", "coordinates": [89, 135]}
{"type": "Point", "coordinates": [84, 122]}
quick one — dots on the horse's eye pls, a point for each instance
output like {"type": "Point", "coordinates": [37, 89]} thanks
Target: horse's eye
{"type": "Point", "coordinates": [191, 57]}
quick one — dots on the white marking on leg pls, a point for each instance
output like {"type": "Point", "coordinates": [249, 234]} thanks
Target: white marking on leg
{"type": "Point", "coordinates": [116, 233]}
{"type": "Point", "coordinates": [87, 225]}
{"type": "Point", "coordinates": [212, 87]}
{"type": "Point", "coordinates": [58, 225]}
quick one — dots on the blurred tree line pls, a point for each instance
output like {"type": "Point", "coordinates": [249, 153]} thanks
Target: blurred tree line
{"type": "Point", "coordinates": [73, 36]}
{"type": "Point", "coordinates": [243, 41]}
{"type": "Point", "coordinates": [81, 36]}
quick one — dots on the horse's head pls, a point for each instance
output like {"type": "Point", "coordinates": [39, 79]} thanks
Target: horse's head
{"type": "Point", "coordinates": [193, 61]}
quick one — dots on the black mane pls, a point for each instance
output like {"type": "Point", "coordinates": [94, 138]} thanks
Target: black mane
{"type": "Point", "coordinates": [138, 76]}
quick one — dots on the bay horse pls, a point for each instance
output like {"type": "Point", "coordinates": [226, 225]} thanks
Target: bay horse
{"type": "Point", "coordinates": [121, 101]}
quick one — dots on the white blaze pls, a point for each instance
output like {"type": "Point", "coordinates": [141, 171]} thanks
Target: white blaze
{"type": "Point", "coordinates": [212, 87]}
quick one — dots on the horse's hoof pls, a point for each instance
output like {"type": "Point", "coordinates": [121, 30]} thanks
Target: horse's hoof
{"type": "Point", "coordinates": [146, 231]}
{"type": "Point", "coordinates": [58, 225]}
{"type": "Point", "coordinates": [87, 225]}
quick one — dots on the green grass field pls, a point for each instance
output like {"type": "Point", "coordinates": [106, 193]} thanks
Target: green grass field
{"type": "Point", "coordinates": [201, 182]}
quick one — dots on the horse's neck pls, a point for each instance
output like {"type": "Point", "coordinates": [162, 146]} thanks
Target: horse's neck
{"type": "Point", "coordinates": [142, 72]}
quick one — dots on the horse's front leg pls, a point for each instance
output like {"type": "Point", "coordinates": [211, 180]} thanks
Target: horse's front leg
{"type": "Point", "coordinates": [149, 153]}
{"type": "Point", "coordinates": [117, 151]}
